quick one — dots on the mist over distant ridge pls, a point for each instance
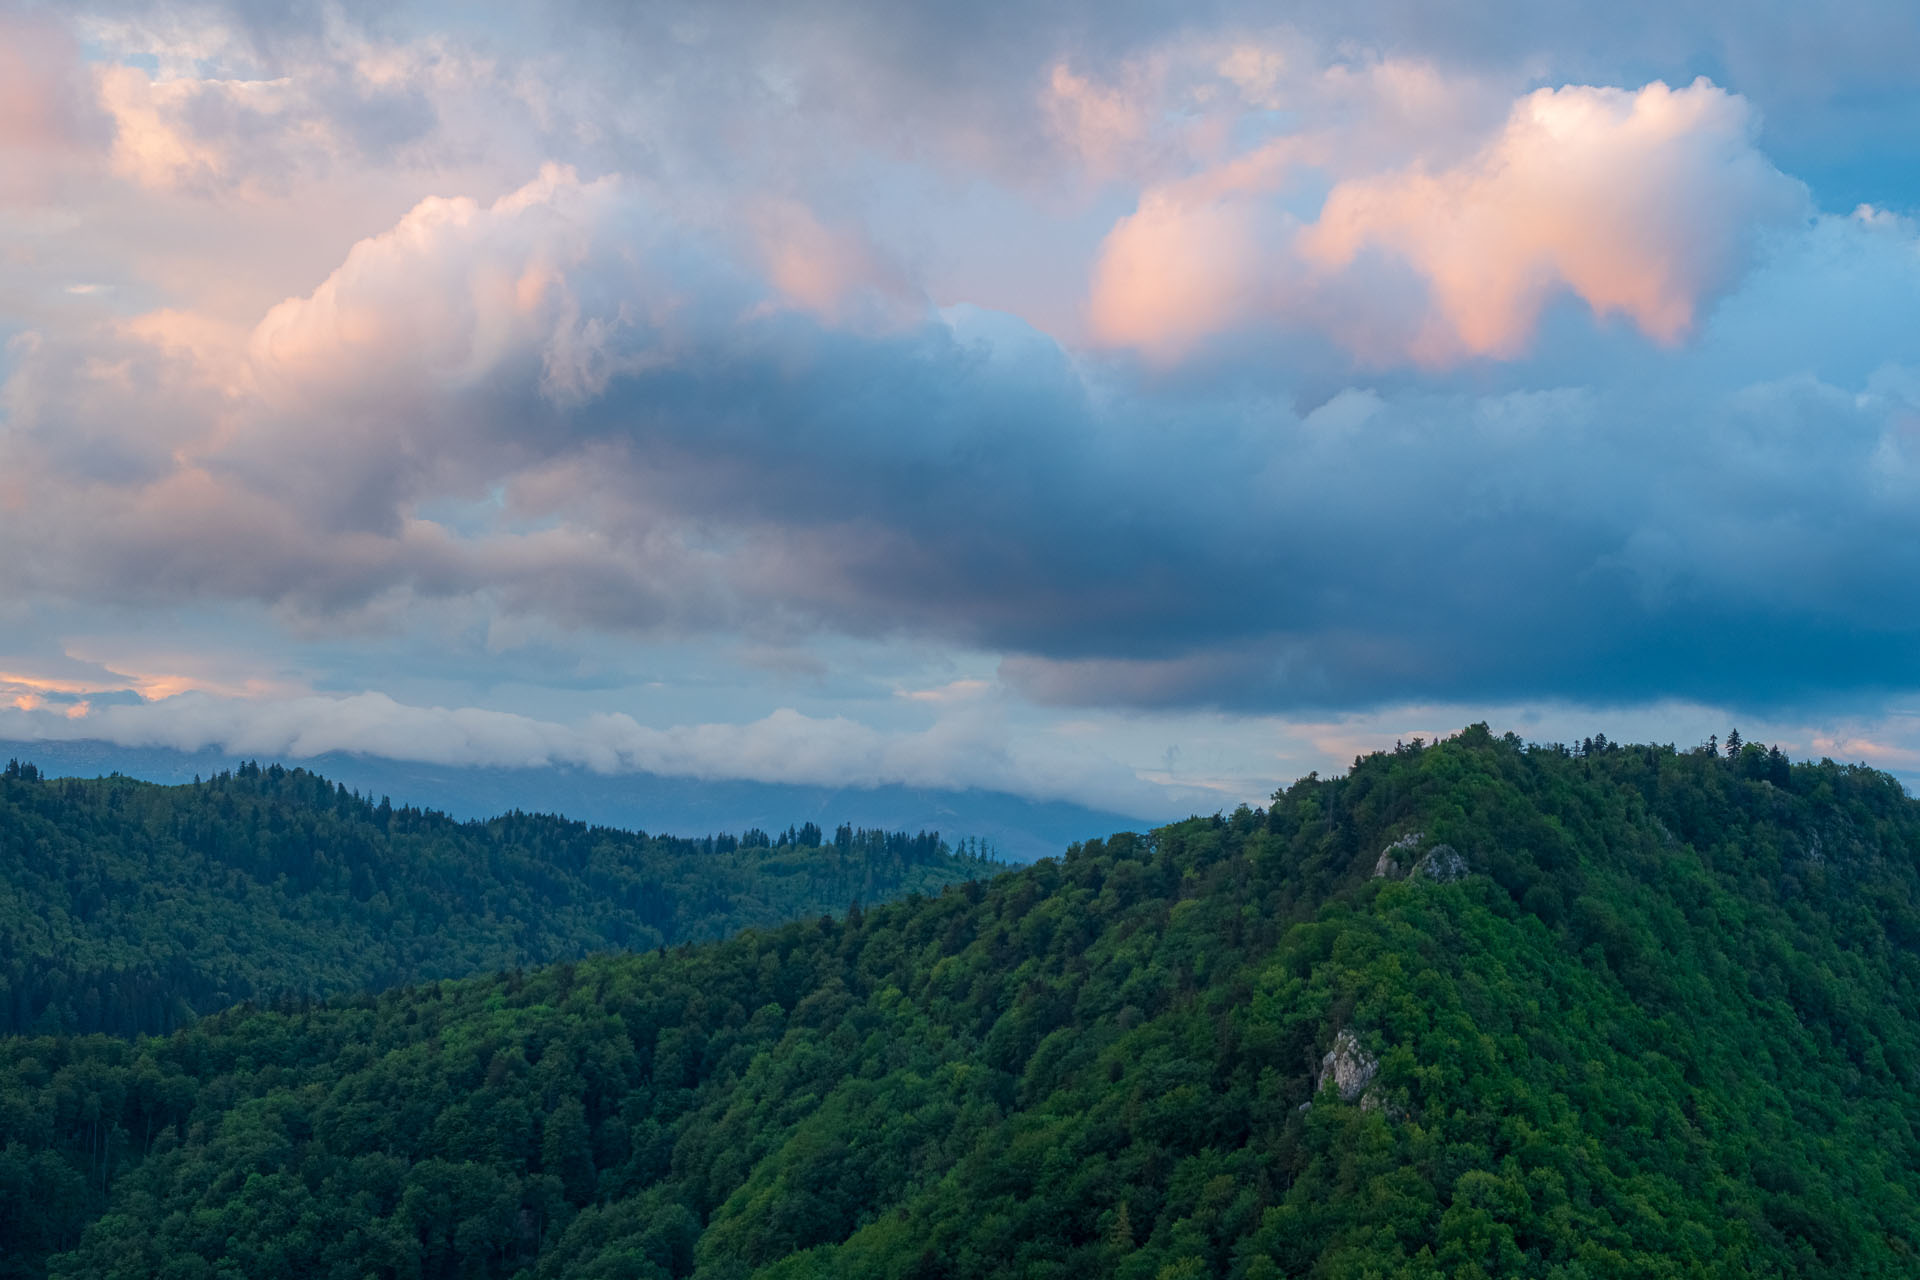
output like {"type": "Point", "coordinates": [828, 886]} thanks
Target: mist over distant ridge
{"type": "Point", "coordinates": [1019, 829]}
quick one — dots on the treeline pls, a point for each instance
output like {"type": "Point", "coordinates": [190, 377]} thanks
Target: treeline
{"type": "Point", "coordinates": [1611, 1013]}
{"type": "Point", "coordinates": [127, 907]}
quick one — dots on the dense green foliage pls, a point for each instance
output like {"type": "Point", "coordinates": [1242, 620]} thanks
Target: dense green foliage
{"type": "Point", "coordinates": [1667, 1026]}
{"type": "Point", "coordinates": [128, 907]}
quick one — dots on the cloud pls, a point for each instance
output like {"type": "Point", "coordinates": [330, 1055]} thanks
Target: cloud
{"type": "Point", "coordinates": [832, 272]}
{"type": "Point", "coordinates": [952, 691]}
{"type": "Point", "coordinates": [196, 109]}
{"type": "Point", "coordinates": [151, 145]}
{"type": "Point", "coordinates": [50, 124]}
{"type": "Point", "coordinates": [1149, 766]}
{"type": "Point", "coordinates": [1645, 204]}
{"type": "Point", "coordinates": [694, 330]}
{"type": "Point", "coordinates": [647, 441]}
{"type": "Point", "coordinates": [1648, 204]}
{"type": "Point", "coordinates": [441, 300]}
{"type": "Point", "coordinates": [1102, 123]}
{"type": "Point", "coordinates": [1197, 257]}
{"type": "Point", "coordinates": [958, 752]}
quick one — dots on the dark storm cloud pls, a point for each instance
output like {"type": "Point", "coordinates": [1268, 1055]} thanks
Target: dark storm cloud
{"type": "Point", "coordinates": [1610, 544]}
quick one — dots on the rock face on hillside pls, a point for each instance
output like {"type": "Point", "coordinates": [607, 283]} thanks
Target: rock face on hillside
{"type": "Point", "coordinates": [1442, 863]}
{"type": "Point", "coordinates": [1390, 861]}
{"type": "Point", "coordinates": [1348, 1067]}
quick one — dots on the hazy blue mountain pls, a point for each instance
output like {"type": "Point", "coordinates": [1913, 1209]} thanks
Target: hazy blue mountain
{"type": "Point", "coordinates": [1019, 829]}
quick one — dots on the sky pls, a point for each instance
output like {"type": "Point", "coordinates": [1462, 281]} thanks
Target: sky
{"type": "Point", "coordinates": [1133, 404]}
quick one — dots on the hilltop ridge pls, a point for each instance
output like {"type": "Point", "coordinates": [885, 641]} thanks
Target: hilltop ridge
{"type": "Point", "coordinates": [130, 907]}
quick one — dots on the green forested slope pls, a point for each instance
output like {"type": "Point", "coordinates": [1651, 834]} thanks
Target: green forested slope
{"type": "Point", "coordinates": [1666, 1024]}
{"type": "Point", "coordinates": [128, 907]}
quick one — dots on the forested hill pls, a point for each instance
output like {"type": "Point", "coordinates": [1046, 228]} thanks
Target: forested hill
{"type": "Point", "coordinates": [1474, 1010]}
{"type": "Point", "coordinates": [130, 907]}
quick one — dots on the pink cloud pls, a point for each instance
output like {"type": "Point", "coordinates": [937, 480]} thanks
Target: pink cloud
{"type": "Point", "coordinates": [47, 114]}
{"type": "Point", "coordinates": [1173, 272]}
{"type": "Point", "coordinates": [1176, 269]}
{"type": "Point", "coordinates": [35, 109]}
{"type": "Point", "coordinates": [832, 272]}
{"type": "Point", "coordinates": [442, 298]}
{"type": "Point", "coordinates": [1100, 123]}
{"type": "Point", "coordinates": [1639, 203]}
{"type": "Point", "coordinates": [27, 684]}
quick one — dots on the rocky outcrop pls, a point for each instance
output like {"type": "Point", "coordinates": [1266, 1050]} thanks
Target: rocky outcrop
{"type": "Point", "coordinates": [1442, 864]}
{"type": "Point", "coordinates": [1395, 856]}
{"type": "Point", "coordinates": [1348, 1067]}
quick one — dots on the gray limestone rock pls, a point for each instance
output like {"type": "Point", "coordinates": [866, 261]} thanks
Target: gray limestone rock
{"type": "Point", "coordinates": [1348, 1067]}
{"type": "Point", "coordinates": [1442, 864]}
{"type": "Point", "coordinates": [1391, 859]}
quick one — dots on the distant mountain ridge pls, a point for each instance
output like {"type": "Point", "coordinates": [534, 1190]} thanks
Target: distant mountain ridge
{"type": "Point", "coordinates": [128, 906]}
{"type": "Point", "coordinates": [1016, 827]}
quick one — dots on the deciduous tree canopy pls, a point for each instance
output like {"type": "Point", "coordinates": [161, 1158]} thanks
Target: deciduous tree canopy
{"type": "Point", "coordinates": [127, 907]}
{"type": "Point", "coordinates": [1648, 1013]}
